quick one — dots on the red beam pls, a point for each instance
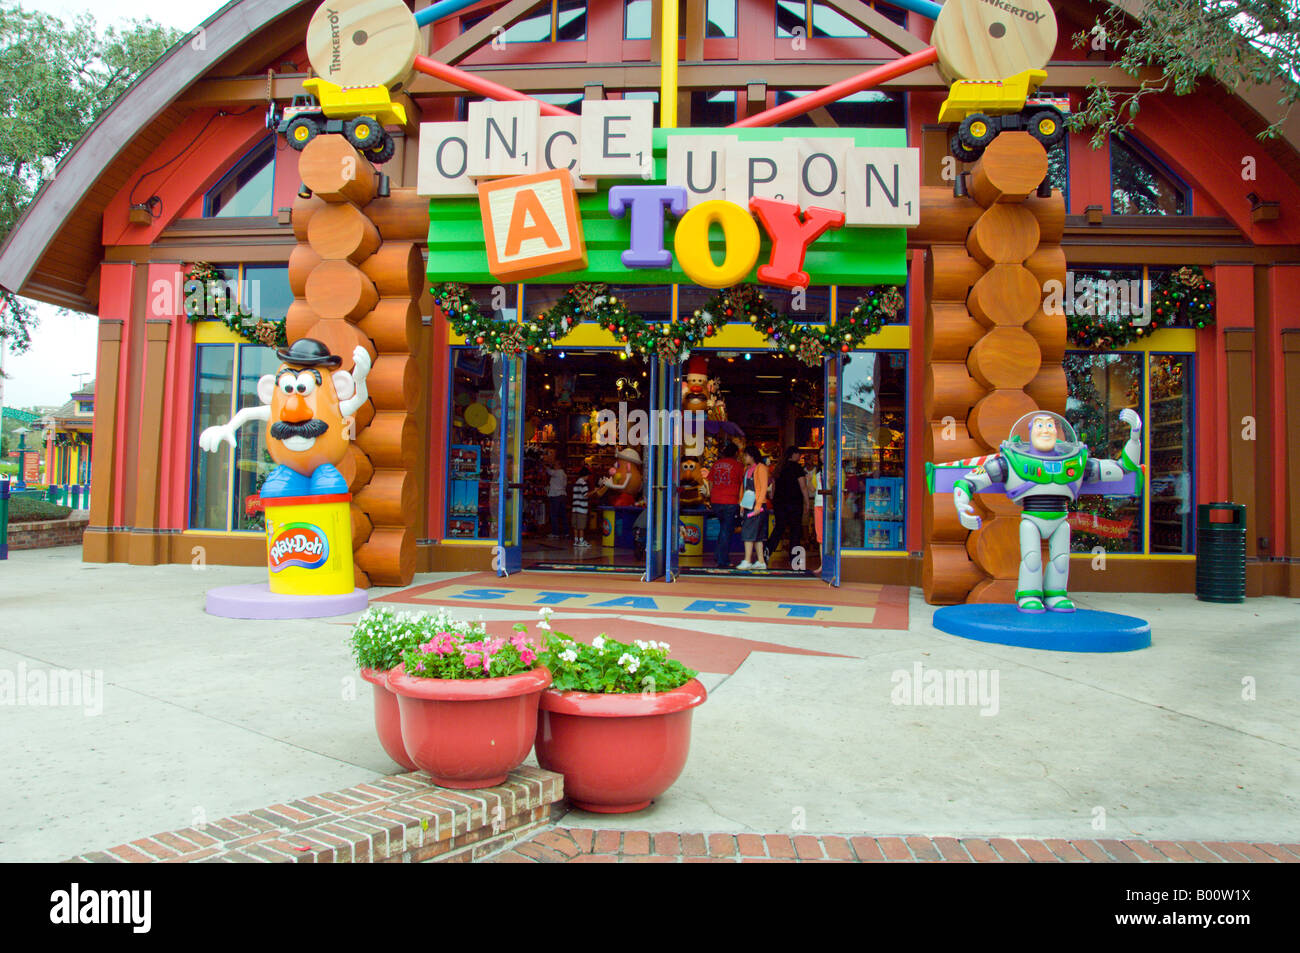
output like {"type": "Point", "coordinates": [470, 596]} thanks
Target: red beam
{"type": "Point", "coordinates": [477, 84]}
{"type": "Point", "coordinates": [854, 84]}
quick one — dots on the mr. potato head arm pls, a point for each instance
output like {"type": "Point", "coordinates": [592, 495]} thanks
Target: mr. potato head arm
{"type": "Point", "coordinates": [350, 387]}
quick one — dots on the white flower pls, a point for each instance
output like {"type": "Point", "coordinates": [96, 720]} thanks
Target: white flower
{"type": "Point", "coordinates": [598, 642]}
{"type": "Point", "coordinates": [569, 656]}
{"type": "Point", "coordinates": [543, 624]}
{"type": "Point", "coordinates": [545, 612]}
{"type": "Point", "coordinates": [644, 645]}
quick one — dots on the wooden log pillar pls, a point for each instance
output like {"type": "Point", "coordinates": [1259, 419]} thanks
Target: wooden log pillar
{"type": "Point", "coordinates": [992, 353]}
{"type": "Point", "coordinates": [353, 286]}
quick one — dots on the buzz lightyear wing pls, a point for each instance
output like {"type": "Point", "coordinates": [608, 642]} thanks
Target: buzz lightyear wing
{"type": "Point", "coordinates": [943, 477]}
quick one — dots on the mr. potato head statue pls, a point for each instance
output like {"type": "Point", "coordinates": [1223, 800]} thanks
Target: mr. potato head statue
{"type": "Point", "coordinates": [309, 403]}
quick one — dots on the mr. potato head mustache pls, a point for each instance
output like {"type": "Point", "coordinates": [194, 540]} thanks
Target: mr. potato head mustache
{"type": "Point", "coordinates": [310, 429]}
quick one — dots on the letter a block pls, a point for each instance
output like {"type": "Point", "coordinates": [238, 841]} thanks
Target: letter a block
{"type": "Point", "coordinates": [531, 225]}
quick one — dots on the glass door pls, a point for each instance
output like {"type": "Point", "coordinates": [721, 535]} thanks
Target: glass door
{"type": "Point", "coordinates": [654, 466]}
{"type": "Point", "coordinates": [670, 440]}
{"type": "Point", "coordinates": [510, 390]}
{"type": "Point", "coordinates": [832, 479]}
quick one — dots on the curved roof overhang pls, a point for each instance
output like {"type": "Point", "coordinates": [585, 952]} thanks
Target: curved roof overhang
{"type": "Point", "coordinates": [67, 212]}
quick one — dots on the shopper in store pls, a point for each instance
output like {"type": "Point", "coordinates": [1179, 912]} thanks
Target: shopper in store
{"type": "Point", "coordinates": [789, 499]}
{"type": "Point", "coordinates": [753, 507]}
{"type": "Point", "coordinates": [578, 509]}
{"type": "Point", "coordinates": [816, 484]}
{"type": "Point", "coordinates": [556, 489]}
{"type": "Point", "coordinates": [725, 477]}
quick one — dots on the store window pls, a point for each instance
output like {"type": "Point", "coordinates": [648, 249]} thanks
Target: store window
{"type": "Point", "coordinates": [221, 483]}
{"type": "Point", "coordinates": [1058, 170]}
{"type": "Point", "coordinates": [556, 21]}
{"type": "Point", "coordinates": [247, 189]}
{"type": "Point", "coordinates": [257, 291]}
{"type": "Point", "coordinates": [874, 454]}
{"type": "Point", "coordinates": [1099, 386]}
{"type": "Point", "coordinates": [720, 19]}
{"type": "Point", "coordinates": [825, 20]}
{"type": "Point", "coordinates": [474, 446]}
{"type": "Point", "coordinates": [1141, 185]}
{"type": "Point", "coordinates": [1170, 436]}
{"type": "Point", "coordinates": [868, 109]}
{"type": "Point", "coordinates": [848, 296]}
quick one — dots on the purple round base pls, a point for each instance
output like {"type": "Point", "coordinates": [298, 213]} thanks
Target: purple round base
{"type": "Point", "coordinates": [257, 601]}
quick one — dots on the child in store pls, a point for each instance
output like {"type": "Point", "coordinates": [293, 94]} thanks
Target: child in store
{"type": "Point", "coordinates": [578, 507]}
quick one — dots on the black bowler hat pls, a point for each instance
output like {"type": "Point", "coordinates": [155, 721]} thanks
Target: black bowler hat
{"type": "Point", "coordinates": [308, 352]}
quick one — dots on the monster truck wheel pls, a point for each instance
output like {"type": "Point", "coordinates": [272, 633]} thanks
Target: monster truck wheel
{"type": "Point", "coordinates": [385, 151]}
{"type": "Point", "coordinates": [300, 132]}
{"type": "Point", "coordinates": [1047, 126]}
{"type": "Point", "coordinates": [363, 132]}
{"type": "Point", "coordinates": [961, 153]}
{"type": "Point", "coordinates": [977, 131]}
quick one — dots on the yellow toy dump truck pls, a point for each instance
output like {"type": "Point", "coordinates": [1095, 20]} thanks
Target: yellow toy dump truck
{"type": "Point", "coordinates": [994, 56]}
{"type": "Point", "coordinates": [984, 108]}
{"type": "Point", "coordinates": [360, 114]}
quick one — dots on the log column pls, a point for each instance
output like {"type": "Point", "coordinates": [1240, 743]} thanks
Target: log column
{"type": "Point", "coordinates": [351, 287]}
{"type": "Point", "coordinates": [993, 355]}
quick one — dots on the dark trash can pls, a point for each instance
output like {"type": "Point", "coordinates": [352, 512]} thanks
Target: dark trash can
{"type": "Point", "coordinates": [1221, 552]}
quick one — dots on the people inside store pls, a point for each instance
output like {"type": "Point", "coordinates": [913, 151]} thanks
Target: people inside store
{"type": "Point", "coordinates": [725, 479]}
{"type": "Point", "coordinates": [815, 486]}
{"type": "Point", "coordinates": [556, 490]}
{"type": "Point", "coordinates": [754, 507]}
{"type": "Point", "coordinates": [789, 499]}
{"type": "Point", "coordinates": [578, 507]}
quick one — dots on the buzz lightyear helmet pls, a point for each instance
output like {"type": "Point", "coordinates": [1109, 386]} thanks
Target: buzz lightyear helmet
{"type": "Point", "coordinates": [1022, 431]}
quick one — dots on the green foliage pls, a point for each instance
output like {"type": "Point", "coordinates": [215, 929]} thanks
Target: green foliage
{"type": "Point", "coordinates": [1235, 42]}
{"type": "Point", "coordinates": [23, 509]}
{"type": "Point", "coordinates": [437, 646]}
{"type": "Point", "coordinates": [56, 78]}
{"type": "Point", "coordinates": [609, 666]}
{"type": "Point", "coordinates": [380, 637]}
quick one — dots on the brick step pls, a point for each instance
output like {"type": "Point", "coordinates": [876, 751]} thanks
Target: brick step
{"type": "Point", "coordinates": [403, 818]}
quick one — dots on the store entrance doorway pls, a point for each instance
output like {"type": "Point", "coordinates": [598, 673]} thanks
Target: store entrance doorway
{"type": "Point", "coordinates": [584, 454]}
{"type": "Point", "coordinates": [776, 406]}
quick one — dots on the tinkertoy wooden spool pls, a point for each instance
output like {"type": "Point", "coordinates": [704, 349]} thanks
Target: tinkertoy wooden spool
{"type": "Point", "coordinates": [394, 324]}
{"type": "Point", "coordinates": [951, 332]}
{"type": "Point", "coordinates": [341, 230]}
{"type": "Point", "coordinates": [1007, 295]}
{"type": "Point", "coordinates": [388, 556]}
{"type": "Point", "coordinates": [391, 498]}
{"type": "Point", "coordinates": [363, 42]}
{"type": "Point", "coordinates": [977, 39]}
{"type": "Point", "coordinates": [339, 289]}
{"type": "Point", "coordinates": [1005, 358]}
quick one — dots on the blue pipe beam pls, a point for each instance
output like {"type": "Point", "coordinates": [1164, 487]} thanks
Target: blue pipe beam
{"type": "Point", "coordinates": [447, 7]}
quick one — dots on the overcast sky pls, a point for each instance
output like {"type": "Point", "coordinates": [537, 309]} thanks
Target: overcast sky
{"type": "Point", "coordinates": [64, 345]}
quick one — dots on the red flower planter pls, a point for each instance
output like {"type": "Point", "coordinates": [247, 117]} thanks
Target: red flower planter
{"type": "Point", "coordinates": [388, 721]}
{"type": "Point", "coordinates": [617, 752]}
{"type": "Point", "coordinates": [468, 733]}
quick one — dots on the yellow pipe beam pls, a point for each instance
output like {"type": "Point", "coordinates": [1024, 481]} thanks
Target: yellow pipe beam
{"type": "Point", "coordinates": [668, 66]}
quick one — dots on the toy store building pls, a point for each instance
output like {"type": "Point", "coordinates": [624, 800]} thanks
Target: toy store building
{"type": "Point", "coordinates": [461, 449]}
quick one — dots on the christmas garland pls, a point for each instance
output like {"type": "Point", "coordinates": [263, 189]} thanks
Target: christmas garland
{"type": "Point", "coordinates": [641, 338]}
{"type": "Point", "coordinates": [809, 343]}
{"type": "Point", "coordinates": [220, 304]}
{"type": "Point", "coordinates": [1182, 298]}
{"type": "Point", "coordinates": [498, 337]}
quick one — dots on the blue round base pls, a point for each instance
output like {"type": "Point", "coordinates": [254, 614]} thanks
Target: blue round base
{"type": "Point", "coordinates": [1080, 631]}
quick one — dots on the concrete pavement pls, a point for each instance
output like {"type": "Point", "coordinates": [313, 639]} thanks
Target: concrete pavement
{"type": "Point", "coordinates": [1192, 739]}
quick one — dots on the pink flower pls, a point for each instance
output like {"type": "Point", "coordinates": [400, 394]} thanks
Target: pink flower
{"type": "Point", "coordinates": [444, 643]}
{"type": "Point", "coordinates": [473, 660]}
{"type": "Point", "coordinates": [527, 656]}
{"type": "Point", "coordinates": [427, 647]}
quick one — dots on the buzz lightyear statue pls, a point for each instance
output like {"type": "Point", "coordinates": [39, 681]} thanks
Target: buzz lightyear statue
{"type": "Point", "coordinates": [1047, 472]}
